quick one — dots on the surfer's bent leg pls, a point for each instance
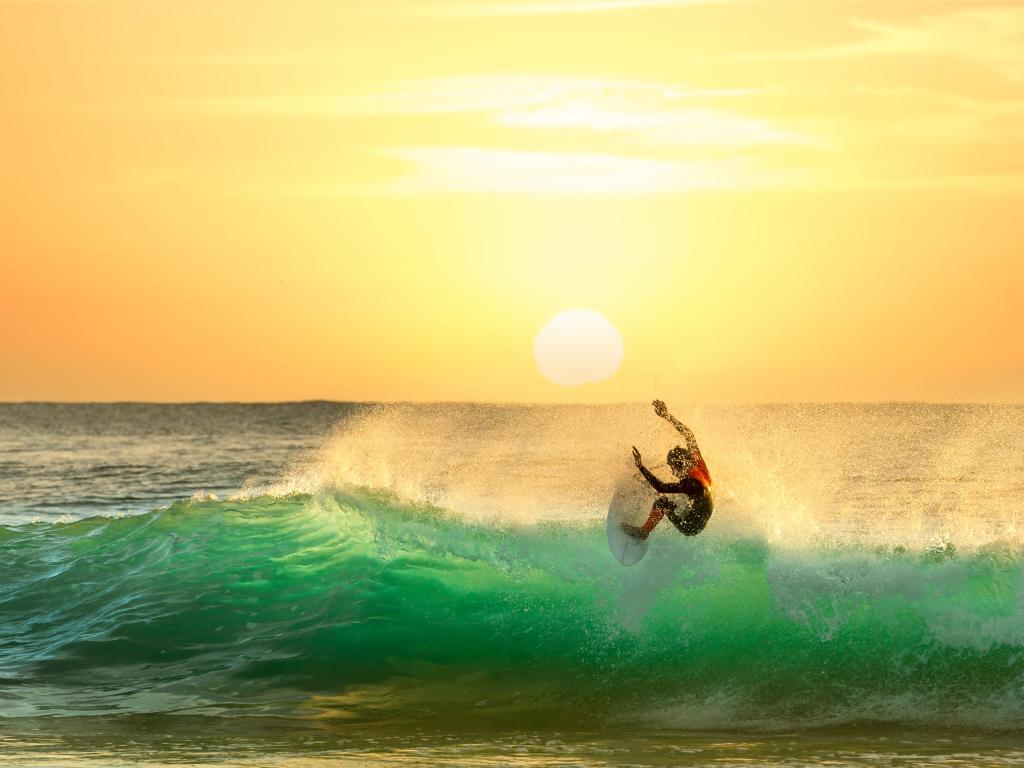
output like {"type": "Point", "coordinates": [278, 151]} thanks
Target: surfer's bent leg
{"type": "Point", "coordinates": [696, 517]}
{"type": "Point", "coordinates": [662, 506]}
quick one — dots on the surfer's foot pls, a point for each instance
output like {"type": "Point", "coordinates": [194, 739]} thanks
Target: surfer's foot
{"type": "Point", "coordinates": [635, 531]}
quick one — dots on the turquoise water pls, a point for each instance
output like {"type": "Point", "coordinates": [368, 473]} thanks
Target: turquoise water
{"type": "Point", "coordinates": [311, 617]}
{"type": "Point", "coordinates": [353, 605]}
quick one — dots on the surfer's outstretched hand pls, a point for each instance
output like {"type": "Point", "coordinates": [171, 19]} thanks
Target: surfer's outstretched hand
{"type": "Point", "coordinates": [660, 408]}
{"type": "Point", "coordinates": [636, 458]}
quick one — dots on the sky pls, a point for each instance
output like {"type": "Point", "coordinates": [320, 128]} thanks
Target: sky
{"type": "Point", "coordinates": [771, 201]}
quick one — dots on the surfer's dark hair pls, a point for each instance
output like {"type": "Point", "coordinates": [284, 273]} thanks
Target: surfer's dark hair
{"type": "Point", "coordinates": [678, 455]}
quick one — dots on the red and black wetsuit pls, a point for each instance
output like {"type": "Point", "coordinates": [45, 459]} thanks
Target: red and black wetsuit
{"type": "Point", "coordinates": [697, 486]}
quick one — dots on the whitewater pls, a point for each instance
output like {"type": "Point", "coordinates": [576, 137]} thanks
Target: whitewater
{"type": "Point", "coordinates": [433, 569]}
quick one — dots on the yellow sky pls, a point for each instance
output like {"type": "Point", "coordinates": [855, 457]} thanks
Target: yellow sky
{"type": "Point", "coordinates": [387, 200]}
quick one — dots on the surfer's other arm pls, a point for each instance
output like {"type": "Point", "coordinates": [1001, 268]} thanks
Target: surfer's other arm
{"type": "Point", "coordinates": [688, 485]}
{"type": "Point", "coordinates": [662, 410]}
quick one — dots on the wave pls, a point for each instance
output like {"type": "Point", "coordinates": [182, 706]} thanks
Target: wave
{"type": "Point", "coordinates": [352, 604]}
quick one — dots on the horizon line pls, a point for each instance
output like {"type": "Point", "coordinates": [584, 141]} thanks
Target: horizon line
{"type": "Point", "coordinates": [507, 403]}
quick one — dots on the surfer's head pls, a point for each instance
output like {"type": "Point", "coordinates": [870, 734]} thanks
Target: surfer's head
{"type": "Point", "coordinates": [680, 461]}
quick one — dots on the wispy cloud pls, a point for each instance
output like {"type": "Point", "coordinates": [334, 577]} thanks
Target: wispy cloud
{"type": "Point", "coordinates": [483, 93]}
{"type": "Point", "coordinates": [553, 7]}
{"type": "Point", "coordinates": [552, 134]}
{"type": "Point", "coordinates": [485, 8]}
{"type": "Point", "coordinates": [659, 114]}
{"type": "Point", "coordinates": [992, 37]}
{"type": "Point", "coordinates": [466, 169]}
{"type": "Point", "coordinates": [693, 127]}
{"type": "Point", "coordinates": [501, 171]}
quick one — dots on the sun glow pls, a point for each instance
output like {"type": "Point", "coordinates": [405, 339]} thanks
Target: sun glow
{"type": "Point", "coordinates": [578, 346]}
{"type": "Point", "coordinates": [389, 200]}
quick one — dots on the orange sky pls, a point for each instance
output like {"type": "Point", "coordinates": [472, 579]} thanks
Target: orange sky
{"type": "Point", "coordinates": [375, 201]}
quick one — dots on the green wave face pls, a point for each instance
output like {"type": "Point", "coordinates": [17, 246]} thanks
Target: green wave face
{"type": "Point", "coordinates": [352, 605]}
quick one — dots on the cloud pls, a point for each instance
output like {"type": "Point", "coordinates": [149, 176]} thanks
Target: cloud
{"type": "Point", "coordinates": [510, 171]}
{"type": "Point", "coordinates": [694, 127]}
{"type": "Point", "coordinates": [427, 171]}
{"type": "Point", "coordinates": [561, 7]}
{"type": "Point", "coordinates": [640, 136]}
{"type": "Point", "coordinates": [992, 37]}
{"type": "Point", "coordinates": [449, 95]}
{"type": "Point", "coordinates": [657, 114]}
{"type": "Point", "coordinates": [554, 7]}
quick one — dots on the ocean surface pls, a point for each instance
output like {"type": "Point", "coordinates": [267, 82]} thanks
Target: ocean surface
{"type": "Point", "coordinates": [341, 584]}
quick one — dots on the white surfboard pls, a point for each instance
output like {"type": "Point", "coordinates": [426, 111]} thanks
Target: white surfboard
{"type": "Point", "coordinates": [631, 503]}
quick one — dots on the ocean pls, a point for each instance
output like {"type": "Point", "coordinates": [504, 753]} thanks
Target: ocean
{"type": "Point", "coordinates": [372, 584]}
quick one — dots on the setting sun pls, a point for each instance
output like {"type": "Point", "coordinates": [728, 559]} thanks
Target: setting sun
{"type": "Point", "coordinates": [578, 346]}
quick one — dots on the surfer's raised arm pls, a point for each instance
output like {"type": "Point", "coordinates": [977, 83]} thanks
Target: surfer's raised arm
{"type": "Point", "coordinates": [662, 410]}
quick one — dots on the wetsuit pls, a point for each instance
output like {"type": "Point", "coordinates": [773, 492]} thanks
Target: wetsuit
{"type": "Point", "coordinates": [696, 485]}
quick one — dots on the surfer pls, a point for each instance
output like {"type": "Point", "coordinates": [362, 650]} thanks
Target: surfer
{"type": "Point", "coordinates": [694, 482]}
